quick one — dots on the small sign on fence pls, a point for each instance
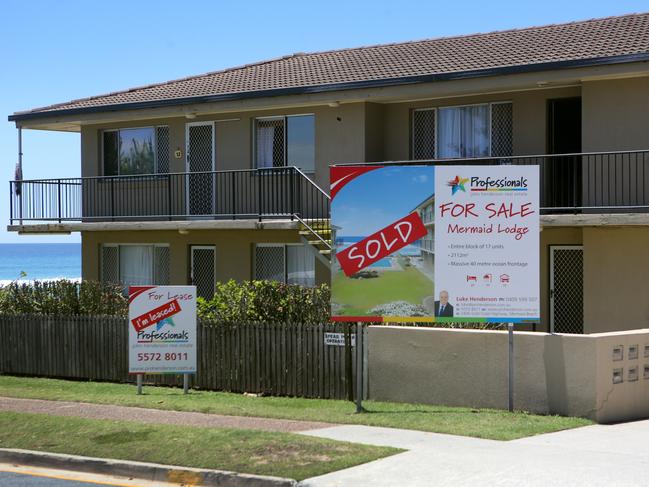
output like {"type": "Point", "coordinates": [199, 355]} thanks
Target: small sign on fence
{"type": "Point", "coordinates": [162, 329]}
{"type": "Point", "coordinates": [337, 339]}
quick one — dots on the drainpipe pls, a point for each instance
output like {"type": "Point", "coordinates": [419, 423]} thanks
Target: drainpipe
{"type": "Point", "coordinates": [19, 174]}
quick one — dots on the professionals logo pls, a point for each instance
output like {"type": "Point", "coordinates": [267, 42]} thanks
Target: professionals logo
{"type": "Point", "coordinates": [457, 184]}
{"type": "Point", "coordinates": [498, 184]}
{"type": "Point", "coordinates": [488, 184]}
{"type": "Point", "coordinates": [166, 321]}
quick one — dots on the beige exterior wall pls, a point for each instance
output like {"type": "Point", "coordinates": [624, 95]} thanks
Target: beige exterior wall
{"type": "Point", "coordinates": [234, 250]}
{"type": "Point", "coordinates": [529, 119]}
{"type": "Point", "coordinates": [339, 137]}
{"type": "Point", "coordinates": [616, 262]}
{"type": "Point", "coordinates": [615, 114]}
{"type": "Point", "coordinates": [558, 374]}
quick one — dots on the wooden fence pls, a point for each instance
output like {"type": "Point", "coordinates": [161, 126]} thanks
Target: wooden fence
{"type": "Point", "coordinates": [274, 359]}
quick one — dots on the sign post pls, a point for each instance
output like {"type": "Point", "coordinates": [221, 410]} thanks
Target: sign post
{"type": "Point", "coordinates": [510, 361]}
{"type": "Point", "coordinates": [162, 331]}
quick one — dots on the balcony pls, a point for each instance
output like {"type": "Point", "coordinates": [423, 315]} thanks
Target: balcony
{"type": "Point", "coordinates": [571, 184]}
{"type": "Point", "coordinates": [283, 193]}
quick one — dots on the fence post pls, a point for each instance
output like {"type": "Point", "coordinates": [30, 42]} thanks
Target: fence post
{"type": "Point", "coordinates": [359, 368]}
{"type": "Point", "coordinates": [348, 363]}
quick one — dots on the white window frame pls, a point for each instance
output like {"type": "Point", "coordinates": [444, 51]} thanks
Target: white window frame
{"type": "Point", "coordinates": [155, 150]}
{"type": "Point", "coordinates": [284, 119]}
{"type": "Point", "coordinates": [284, 246]}
{"type": "Point", "coordinates": [130, 244]}
{"type": "Point", "coordinates": [436, 110]}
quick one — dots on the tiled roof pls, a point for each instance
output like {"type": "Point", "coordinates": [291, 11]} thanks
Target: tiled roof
{"type": "Point", "coordinates": [478, 54]}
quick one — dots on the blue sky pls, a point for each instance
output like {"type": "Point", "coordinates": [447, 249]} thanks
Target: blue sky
{"type": "Point", "coordinates": [380, 197]}
{"type": "Point", "coordinates": [55, 51]}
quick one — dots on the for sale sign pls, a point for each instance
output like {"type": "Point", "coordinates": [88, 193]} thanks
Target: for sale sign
{"type": "Point", "coordinates": [435, 243]}
{"type": "Point", "coordinates": [162, 329]}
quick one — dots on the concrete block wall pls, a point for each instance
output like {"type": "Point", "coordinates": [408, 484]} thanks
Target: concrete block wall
{"type": "Point", "coordinates": [570, 375]}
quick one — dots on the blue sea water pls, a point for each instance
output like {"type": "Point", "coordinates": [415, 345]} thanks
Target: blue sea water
{"type": "Point", "coordinates": [40, 261]}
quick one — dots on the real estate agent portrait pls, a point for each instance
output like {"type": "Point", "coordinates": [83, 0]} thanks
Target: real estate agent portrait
{"type": "Point", "coordinates": [443, 308]}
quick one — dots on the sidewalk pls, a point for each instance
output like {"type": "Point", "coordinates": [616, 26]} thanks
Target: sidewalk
{"type": "Point", "coordinates": [155, 416]}
{"type": "Point", "coordinates": [596, 455]}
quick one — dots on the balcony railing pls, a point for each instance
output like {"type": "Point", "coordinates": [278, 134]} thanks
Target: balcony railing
{"type": "Point", "coordinates": [610, 182]}
{"type": "Point", "coordinates": [263, 194]}
{"type": "Point", "coordinates": [593, 182]}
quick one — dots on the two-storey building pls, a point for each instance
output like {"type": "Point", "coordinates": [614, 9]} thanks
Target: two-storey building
{"type": "Point", "coordinates": [225, 175]}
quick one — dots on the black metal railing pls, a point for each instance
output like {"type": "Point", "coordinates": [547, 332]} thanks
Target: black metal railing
{"type": "Point", "coordinates": [594, 182]}
{"type": "Point", "coordinates": [603, 182]}
{"type": "Point", "coordinates": [263, 194]}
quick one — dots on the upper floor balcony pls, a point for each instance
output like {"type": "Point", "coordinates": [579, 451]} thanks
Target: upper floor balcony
{"type": "Point", "coordinates": [282, 193]}
{"type": "Point", "coordinates": [584, 183]}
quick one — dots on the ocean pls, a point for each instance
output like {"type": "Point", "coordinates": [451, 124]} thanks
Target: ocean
{"type": "Point", "coordinates": [40, 261]}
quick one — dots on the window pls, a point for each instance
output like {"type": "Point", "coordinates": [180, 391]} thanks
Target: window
{"type": "Point", "coordinates": [134, 265]}
{"type": "Point", "coordinates": [462, 131]}
{"type": "Point", "coordinates": [285, 141]}
{"type": "Point", "coordinates": [292, 264]}
{"type": "Point", "coordinates": [136, 151]}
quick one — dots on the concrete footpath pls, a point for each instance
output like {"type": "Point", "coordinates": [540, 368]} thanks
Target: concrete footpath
{"type": "Point", "coordinates": [153, 416]}
{"type": "Point", "coordinates": [597, 455]}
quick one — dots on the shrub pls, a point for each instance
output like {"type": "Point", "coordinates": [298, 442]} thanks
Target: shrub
{"type": "Point", "coordinates": [233, 302]}
{"type": "Point", "coordinates": [266, 301]}
{"type": "Point", "coordinates": [63, 297]}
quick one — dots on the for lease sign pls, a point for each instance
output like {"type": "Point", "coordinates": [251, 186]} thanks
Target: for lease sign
{"type": "Point", "coordinates": [435, 243]}
{"type": "Point", "coordinates": [162, 329]}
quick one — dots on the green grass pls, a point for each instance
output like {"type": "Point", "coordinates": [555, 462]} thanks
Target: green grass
{"type": "Point", "coordinates": [480, 423]}
{"type": "Point", "coordinates": [243, 451]}
{"type": "Point", "coordinates": [358, 296]}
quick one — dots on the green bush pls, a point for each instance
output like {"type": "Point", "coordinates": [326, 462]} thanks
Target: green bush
{"type": "Point", "coordinates": [266, 301]}
{"type": "Point", "coordinates": [63, 297]}
{"type": "Point", "coordinates": [233, 302]}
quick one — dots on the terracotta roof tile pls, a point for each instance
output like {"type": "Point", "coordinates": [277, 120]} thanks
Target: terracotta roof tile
{"type": "Point", "coordinates": [598, 38]}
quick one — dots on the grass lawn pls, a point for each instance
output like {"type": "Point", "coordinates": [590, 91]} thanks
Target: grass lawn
{"type": "Point", "coordinates": [481, 423]}
{"type": "Point", "coordinates": [244, 451]}
{"type": "Point", "coordinates": [360, 295]}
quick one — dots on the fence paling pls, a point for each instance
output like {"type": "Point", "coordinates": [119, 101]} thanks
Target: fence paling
{"type": "Point", "coordinates": [269, 358]}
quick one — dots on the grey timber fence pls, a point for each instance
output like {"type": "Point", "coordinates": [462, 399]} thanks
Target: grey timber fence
{"type": "Point", "coordinates": [274, 359]}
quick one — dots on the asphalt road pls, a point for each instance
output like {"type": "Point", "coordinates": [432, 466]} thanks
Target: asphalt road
{"type": "Point", "coordinates": [10, 479]}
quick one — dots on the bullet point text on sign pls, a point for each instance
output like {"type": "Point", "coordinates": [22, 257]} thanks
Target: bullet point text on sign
{"type": "Point", "coordinates": [386, 241]}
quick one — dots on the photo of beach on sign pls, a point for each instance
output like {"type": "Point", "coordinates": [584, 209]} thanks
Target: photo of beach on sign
{"type": "Point", "coordinates": [383, 222]}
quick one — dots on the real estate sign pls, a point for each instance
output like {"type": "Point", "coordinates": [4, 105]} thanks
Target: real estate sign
{"type": "Point", "coordinates": [162, 329]}
{"type": "Point", "coordinates": [435, 243]}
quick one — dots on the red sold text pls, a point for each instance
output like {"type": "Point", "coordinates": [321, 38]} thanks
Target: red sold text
{"type": "Point", "coordinates": [381, 244]}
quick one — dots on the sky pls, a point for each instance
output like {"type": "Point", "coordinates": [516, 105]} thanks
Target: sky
{"type": "Point", "coordinates": [54, 51]}
{"type": "Point", "coordinates": [380, 197]}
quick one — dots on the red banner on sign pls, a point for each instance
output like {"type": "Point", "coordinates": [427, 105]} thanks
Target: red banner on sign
{"type": "Point", "coordinates": [155, 315]}
{"type": "Point", "coordinates": [394, 237]}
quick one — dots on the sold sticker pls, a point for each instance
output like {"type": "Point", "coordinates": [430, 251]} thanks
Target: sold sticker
{"type": "Point", "coordinates": [155, 315]}
{"type": "Point", "coordinates": [371, 249]}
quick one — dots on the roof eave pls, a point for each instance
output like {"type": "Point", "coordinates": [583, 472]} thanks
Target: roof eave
{"type": "Point", "coordinates": [378, 83]}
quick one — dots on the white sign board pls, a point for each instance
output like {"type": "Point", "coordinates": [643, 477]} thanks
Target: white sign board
{"type": "Point", "coordinates": [337, 339]}
{"type": "Point", "coordinates": [162, 330]}
{"type": "Point", "coordinates": [487, 243]}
